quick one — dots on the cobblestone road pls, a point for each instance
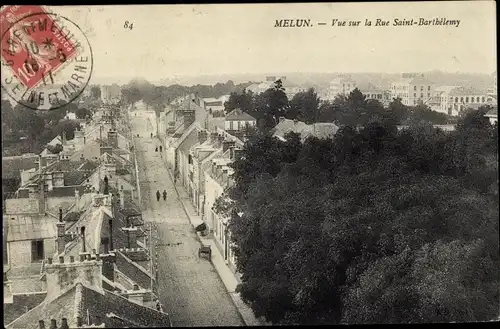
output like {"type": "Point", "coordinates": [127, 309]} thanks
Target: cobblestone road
{"type": "Point", "coordinates": [189, 287]}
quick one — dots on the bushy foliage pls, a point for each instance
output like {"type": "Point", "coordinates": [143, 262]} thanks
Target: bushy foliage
{"type": "Point", "coordinates": [374, 226]}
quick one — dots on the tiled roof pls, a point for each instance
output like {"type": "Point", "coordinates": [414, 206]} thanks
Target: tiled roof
{"type": "Point", "coordinates": [133, 271]}
{"type": "Point", "coordinates": [493, 112]}
{"type": "Point", "coordinates": [101, 307]}
{"type": "Point", "coordinates": [65, 191]}
{"type": "Point", "coordinates": [188, 139]}
{"type": "Point", "coordinates": [320, 130]}
{"type": "Point", "coordinates": [20, 304]}
{"type": "Point", "coordinates": [11, 166]}
{"type": "Point", "coordinates": [32, 227]}
{"type": "Point", "coordinates": [239, 115]}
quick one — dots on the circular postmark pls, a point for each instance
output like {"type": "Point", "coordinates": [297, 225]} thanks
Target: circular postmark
{"type": "Point", "coordinates": [46, 59]}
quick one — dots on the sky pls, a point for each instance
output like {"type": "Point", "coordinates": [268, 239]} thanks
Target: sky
{"type": "Point", "coordinates": [187, 40]}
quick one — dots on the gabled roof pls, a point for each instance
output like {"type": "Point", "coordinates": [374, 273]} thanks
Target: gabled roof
{"type": "Point", "coordinates": [239, 115]}
{"type": "Point", "coordinates": [101, 307]}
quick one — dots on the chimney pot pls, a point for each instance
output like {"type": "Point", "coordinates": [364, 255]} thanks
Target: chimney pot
{"type": "Point", "coordinates": [41, 324]}
{"type": "Point", "coordinates": [60, 214]}
{"type": "Point", "coordinates": [50, 260]}
{"type": "Point", "coordinates": [64, 323]}
{"type": "Point", "coordinates": [71, 259]}
{"type": "Point", "coordinates": [61, 259]}
{"type": "Point", "coordinates": [53, 324]}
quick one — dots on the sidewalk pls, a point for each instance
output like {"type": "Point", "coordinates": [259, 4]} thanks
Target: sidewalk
{"type": "Point", "coordinates": [227, 276]}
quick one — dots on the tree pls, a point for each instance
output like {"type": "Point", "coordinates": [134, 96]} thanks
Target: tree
{"type": "Point", "coordinates": [305, 106]}
{"type": "Point", "coordinates": [243, 101]}
{"type": "Point", "coordinates": [95, 91]}
{"type": "Point", "coordinates": [370, 227]}
{"type": "Point", "coordinates": [83, 113]}
{"type": "Point", "coordinates": [271, 105]}
{"type": "Point", "coordinates": [397, 112]}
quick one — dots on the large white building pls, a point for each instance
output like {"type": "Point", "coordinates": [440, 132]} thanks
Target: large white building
{"type": "Point", "coordinates": [413, 89]}
{"type": "Point", "coordinates": [375, 93]}
{"type": "Point", "coordinates": [454, 99]}
{"type": "Point", "coordinates": [342, 85]}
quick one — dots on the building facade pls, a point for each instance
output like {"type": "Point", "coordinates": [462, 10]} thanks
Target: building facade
{"type": "Point", "coordinates": [413, 90]}
{"type": "Point", "coordinates": [342, 85]}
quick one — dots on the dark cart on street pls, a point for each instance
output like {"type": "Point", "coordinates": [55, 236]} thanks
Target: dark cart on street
{"type": "Point", "coordinates": [205, 250]}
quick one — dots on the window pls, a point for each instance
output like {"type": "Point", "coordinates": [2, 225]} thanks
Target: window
{"type": "Point", "coordinates": [466, 99]}
{"type": "Point", "coordinates": [421, 95]}
{"type": "Point", "coordinates": [190, 159]}
{"type": "Point", "coordinates": [415, 95]}
{"type": "Point", "coordinates": [461, 99]}
{"type": "Point", "coordinates": [477, 99]}
{"type": "Point", "coordinates": [428, 94]}
{"type": "Point", "coordinates": [421, 88]}
{"type": "Point", "coordinates": [483, 99]}
{"type": "Point", "coordinates": [37, 253]}
{"type": "Point", "coordinates": [456, 99]}
{"type": "Point", "coordinates": [429, 88]}
{"type": "Point", "coordinates": [415, 88]}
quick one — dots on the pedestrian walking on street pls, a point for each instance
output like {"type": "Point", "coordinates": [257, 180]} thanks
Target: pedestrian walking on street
{"type": "Point", "coordinates": [164, 195]}
{"type": "Point", "coordinates": [157, 195]}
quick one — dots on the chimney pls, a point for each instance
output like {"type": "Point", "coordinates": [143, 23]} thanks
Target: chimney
{"type": "Point", "coordinates": [82, 230]}
{"type": "Point", "coordinates": [202, 136]}
{"type": "Point", "coordinates": [132, 236]}
{"type": "Point", "coordinates": [122, 199]}
{"type": "Point", "coordinates": [61, 276]}
{"type": "Point", "coordinates": [189, 118]}
{"type": "Point", "coordinates": [41, 197]}
{"type": "Point", "coordinates": [64, 324]}
{"type": "Point", "coordinates": [41, 324]}
{"type": "Point", "coordinates": [61, 227]}
{"type": "Point", "coordinates": [53, 324]}
{"type": "Point", "coordinates": [113, 138]}
{"type": "Point", "coordinates": [77, 199]}
{"type": "Point", "coordinates": [58, 178]}
{"type": "Point", "coordinates": [110, 222]}
{"type": "Point", "coordinates": [79, 138]}
{"type": "Point", "coordinates": [105, 243]}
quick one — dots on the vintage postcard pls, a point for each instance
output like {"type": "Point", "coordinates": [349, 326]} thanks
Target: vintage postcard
{"type": "Point", "coordinates": [312, 164]}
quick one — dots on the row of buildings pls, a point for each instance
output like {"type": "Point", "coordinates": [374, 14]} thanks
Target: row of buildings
{"type": "Point", "coordinates": [416, 88]}
{"type": "Point", "coordinates": [199, 155]}
{"type": "Point", "coordinates": [76, 249]}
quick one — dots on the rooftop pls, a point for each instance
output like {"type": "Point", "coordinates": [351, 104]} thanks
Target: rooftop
{"type": "Point", "coordinates": [239, 115]}
{"type": "Point", "coordinates": [97, 307]}
{"type": "Point", "coordinates": [31, 227]}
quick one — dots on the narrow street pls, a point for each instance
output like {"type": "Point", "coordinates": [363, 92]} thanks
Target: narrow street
{"type": "Point", "coordinates": [190, 289]}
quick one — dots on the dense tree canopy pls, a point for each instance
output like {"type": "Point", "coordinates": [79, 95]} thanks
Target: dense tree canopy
{"type": "Point", "coordinates": [374, 226]}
